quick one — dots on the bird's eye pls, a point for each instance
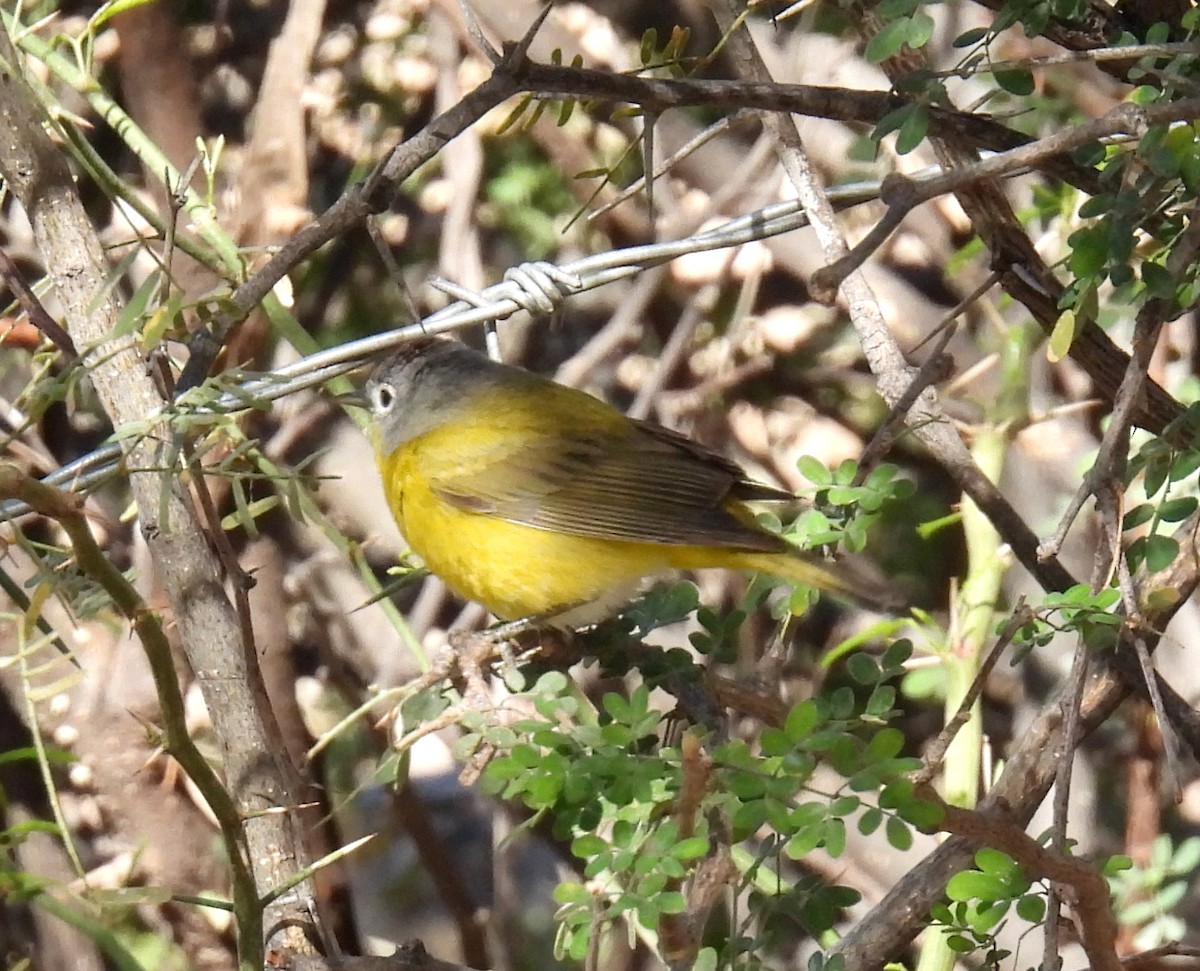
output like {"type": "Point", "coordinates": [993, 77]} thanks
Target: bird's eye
{"type": "Point", "coordinates": [383, 396]}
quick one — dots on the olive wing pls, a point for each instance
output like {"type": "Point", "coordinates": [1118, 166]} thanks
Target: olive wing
{"type": "Point", "coordinates": [611, 479]}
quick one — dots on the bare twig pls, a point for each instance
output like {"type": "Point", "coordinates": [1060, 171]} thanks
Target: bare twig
{"type": "Point", "coordinates": [363, 199]}
{"type": "Point", "coordinates": [1072, 700]}
{"type": "Point", "coordinates": [935, 752]}
{"type": "Point", "coordinates": [37, 314]}
{"type": "Point", "coordinates": [67, 510]}
{"type": "Point", "coordinates": [1103, 55]}
{"type": "Point", "coordinates": [274, 175]}
{"type": "Point", "coordinates": [1114, 444]}
{"type": "Point", "coordinates": [36, 172]}
{"type": "Point", "coordinates": [835, 104]}
{"type": "Point", "coordinates": [475, 30]}
{"type": "Point", "coordinates": [903, 194]}
{"type": "Point", "coordinates": [1160, 958]}
{"type": "Point", "coordinates": [929, 373]}
{"type": "Point", "coordinates": [409, 956]}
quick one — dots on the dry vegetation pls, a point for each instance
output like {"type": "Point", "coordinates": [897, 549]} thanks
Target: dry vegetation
{"type": "Point", "coordinates": [254, 606]}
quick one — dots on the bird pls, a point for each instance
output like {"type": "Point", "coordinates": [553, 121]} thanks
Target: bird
{"type": "Point", "coordinates": [544, 503]}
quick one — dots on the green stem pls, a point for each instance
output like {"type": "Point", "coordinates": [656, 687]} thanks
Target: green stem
{"type": "Point", "coordinates": [112, 184]}
{"type": "Point", "coordinates": [67, 510]}
{"type": "Point", "coordinates": [149, 154]}
{"type": "Point", "coordinates": [975, 610]}
{"type": "Point", "coordinates": [103, 937]}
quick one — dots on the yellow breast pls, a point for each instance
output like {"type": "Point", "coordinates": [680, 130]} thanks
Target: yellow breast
{"type": "Point", "coordinates": [515, 571]}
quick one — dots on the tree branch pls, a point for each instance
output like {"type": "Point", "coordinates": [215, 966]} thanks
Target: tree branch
{"type": "Point", "coordinates": [37, 174]}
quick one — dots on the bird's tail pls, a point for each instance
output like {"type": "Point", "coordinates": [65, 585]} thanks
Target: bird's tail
{"type": "Point", "coordinates": [839, 579]}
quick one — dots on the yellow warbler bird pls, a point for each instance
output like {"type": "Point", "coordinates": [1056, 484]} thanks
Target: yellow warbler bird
{"type": "Point", "coordinates": [540, 501]}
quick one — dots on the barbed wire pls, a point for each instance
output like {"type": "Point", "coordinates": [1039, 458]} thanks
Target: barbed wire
{"type": "Point", "coordinates": [538, 287]}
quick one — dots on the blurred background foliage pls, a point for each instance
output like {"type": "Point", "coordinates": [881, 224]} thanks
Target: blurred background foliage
{"type": "Point", "coordinates": [806, 793]}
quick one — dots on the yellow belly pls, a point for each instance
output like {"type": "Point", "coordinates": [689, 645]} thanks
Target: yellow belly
{"type": "Point", "coordinates": [518, 571]}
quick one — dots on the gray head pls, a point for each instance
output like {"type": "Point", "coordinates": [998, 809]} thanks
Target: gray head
{"type": "Point", "coordinates": [422, 385]}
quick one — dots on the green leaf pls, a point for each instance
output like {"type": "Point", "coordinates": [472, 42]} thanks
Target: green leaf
{"type": "Point", "coordinates": [891, 121]}
{"type": "Point", "coordinates": [671, 902]}
{"type": "Point", "coordinates": [959, 944]}
{"type": "Point", "coordinates": [1140, 912]}
{"type": "Point", "coordinates": [109, 10]}
{"type": "Point", "coordinates": [246, 513]}
{"type": "Point", "coordinates": [841, 704]}
{"type": "Point", "coordinates": [898, 834]}
{"type": "Point", "coordinates": [690, 848]}
{"type": "Point", "coordinates": [1031, 908]}
{"type": "Point", "coordinates": [870, 821]}
{"type": "Point", "coordinates": [1156, 474]}
{"type": "Point", "coordinates": [1158, 279]}
{"type": "Point", "coordinates": [1138, 515]}
{"type": "Point", "coordinates": [1098, 205]}
{"type": "Point", "coordinates": [844, 805]}
{"type": "Point", "coordinates": [552, 684]}
{"type": "Point", "coordinates": [775, 742]}
{"type": "Point", "coordinates": [969, 38]}
{"type": "Point", "coordinates": [1187, 856]}
{"type": "Point", "coordinates": [1189, 171]}
{"type": "Point", "coordinates": [746, 785]}
{"type": "Point", "coordinates": [1062, 336]}
{"type": "Point", "coordinates": [572, 893]}
{"type": "Point", "coordinates": [987, 917]}
{"type": "Point", "coordinates": [587, 846]}
{"type": "Point", "coordinates": [804, 842]}
{"type": "Point", "coordinates": [516, 114]}
{"type": "Point", "coordinates": [881, 476]}
{"type": "Point", "coordinates": [1160, 552]}
{"type": "Point", "coordinates": [135, 308]}
{"type": "Point", "coordinates": [813, 470]}
{"type": "Point", "coordinates": [1089, 249]}
{"type": "Point", "coordinates": [862, 668]}
{"type": "Point", "coordinates": [648, 45]}
{"type": "Point", "coordinates": [888, 41]}
{"type": "Point", "coordinates": [1170, 895]}
{"type": "Point", "coordinates": [885, 744]}
{"type": "Point", "coordinates": [881, 702]}
{"type": "Point", "coordinates": [995, 862]}
{"type": "Point", "coordinates": [973, 885]}
{"type": "Point", "coordinates": [801, 720]}
{"type": "Point", "coordinates": [897, 654]}
{"type": "Point", "coordinates": [1158, 33]}
{"type": "Point", "coordinates": [748, 817]}
{"type": "Point", "coordinates": [920, 30]}
{"type": "Point", "coordinates": [913, 131]}
{"type": "Point", "coordinates": [835, 837]}
{"type": "Point", "coordinates": [1184, 465]}
{"type": "Point", "coordinates": [1177, 510]}
{"type": "Point", "coordinates": [1018, 82]}
{"type": "Point", "coordinates": [891, 9]}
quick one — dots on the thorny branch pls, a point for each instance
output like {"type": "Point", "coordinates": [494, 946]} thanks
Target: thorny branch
{"type": "Point", "coordinates": [36, 173]}
{"type": "Point", "coordinates": [903, 194]}
{"type": "Point", "coordinates": [513, 75]}
{"type": "Point", "coordinates": [66, 509]}
{"type": "Point", "coordinates": [364, 199]}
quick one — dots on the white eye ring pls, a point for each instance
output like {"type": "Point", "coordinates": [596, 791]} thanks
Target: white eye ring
{"type": "Point", "coordinates": [383, 397]}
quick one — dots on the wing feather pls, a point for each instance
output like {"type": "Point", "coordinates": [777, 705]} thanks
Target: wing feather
{"type": "Point", "coordinates": [603, 478]}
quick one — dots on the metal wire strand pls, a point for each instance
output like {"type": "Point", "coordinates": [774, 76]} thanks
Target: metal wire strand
{"type": "Point", "coordinates": [537, 287]}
